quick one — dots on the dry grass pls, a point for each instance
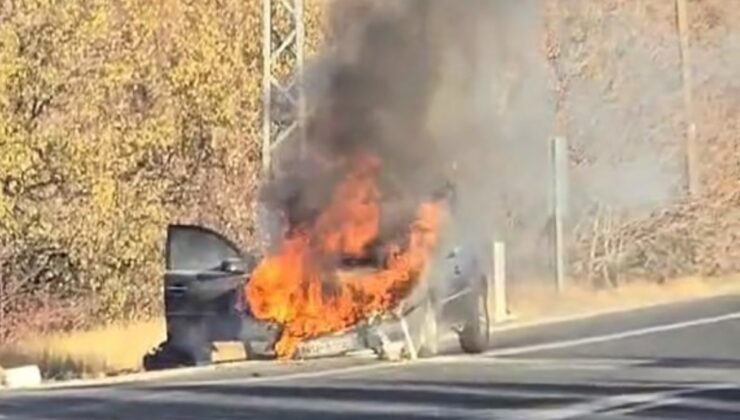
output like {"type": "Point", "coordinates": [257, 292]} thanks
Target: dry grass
{"type": "Point", "coordinates": [531, 303]}
{"type": "Point", "coordinates": [95, 353]}
{"type": "Point", "coordinates": [119, 348]}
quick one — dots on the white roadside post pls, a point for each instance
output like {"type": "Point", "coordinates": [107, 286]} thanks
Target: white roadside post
{"type": "Point", "coordinates": [500, 309]}
{"type": "Point", "coordinates": [559, 158]}
{"type": "Point", "coordinates": [21, 377]}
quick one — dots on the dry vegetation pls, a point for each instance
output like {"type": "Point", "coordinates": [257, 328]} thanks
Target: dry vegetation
{"type": "Point", "coordinates": [111, 349]}
{"type": "Point", "coordinates": [536, 303]}
{"type": "Point", "coordinates": [119, 117]}
{"type": "Point", "coordinates": [633, 54]}
{"type": "Point", "coordinates": [115, 119]}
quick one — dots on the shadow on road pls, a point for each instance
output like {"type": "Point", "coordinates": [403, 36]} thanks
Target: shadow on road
{"type": "Point", "coordinates": [359, 399]}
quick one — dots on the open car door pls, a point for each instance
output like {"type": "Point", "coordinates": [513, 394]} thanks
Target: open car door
{"type": "Point", "coordinates": [204, 297]}
{"type": "Point", "coordinates": [194, 248]}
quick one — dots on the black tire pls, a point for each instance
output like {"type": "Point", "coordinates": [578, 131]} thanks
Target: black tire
{"type": "Point", "coordinates": [475, 335]}
{"type": "Point", "coordinates": [190, 339]}
{"type": "Point", "coordinates": [166, 356]}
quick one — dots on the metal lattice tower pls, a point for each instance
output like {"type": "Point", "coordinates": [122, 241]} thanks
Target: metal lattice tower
{"type": "Point", "coordinates": [284, 106]}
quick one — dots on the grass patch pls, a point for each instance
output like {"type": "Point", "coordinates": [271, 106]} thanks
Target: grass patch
{"type": "Point", "coordinates": [87, 354]}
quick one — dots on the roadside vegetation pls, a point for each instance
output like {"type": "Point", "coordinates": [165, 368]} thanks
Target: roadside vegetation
{"type": "Point", "coordinates": [96, 352]}
{"type": "Point", "coordinates": [119, 117]}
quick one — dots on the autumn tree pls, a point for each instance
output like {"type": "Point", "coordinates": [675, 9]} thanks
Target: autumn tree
{"type": "Point", "coordinates": [116, 118]}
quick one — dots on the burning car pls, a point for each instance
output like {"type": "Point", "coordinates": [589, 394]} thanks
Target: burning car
{"type": "Point", "coordinates": [204, 303]}
{"type": "Point", "coordinates": [336, 283]}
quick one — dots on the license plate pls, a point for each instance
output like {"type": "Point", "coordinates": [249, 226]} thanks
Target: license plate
{"type": "Point", "coordinates": [327, 346]}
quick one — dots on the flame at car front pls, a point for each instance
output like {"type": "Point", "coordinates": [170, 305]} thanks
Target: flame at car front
{"type": "Point", "coordinates": [298, 286]}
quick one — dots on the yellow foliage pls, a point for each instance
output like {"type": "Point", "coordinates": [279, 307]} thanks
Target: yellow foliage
{"type": "Point", "coordinates": [115, 119]}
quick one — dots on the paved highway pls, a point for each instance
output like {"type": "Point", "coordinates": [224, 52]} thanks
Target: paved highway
{"type": "Point", "coordinates": [679, 361]}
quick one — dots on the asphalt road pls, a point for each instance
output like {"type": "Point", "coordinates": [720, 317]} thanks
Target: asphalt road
{"type": "Point", "coordinates": [679, 361]}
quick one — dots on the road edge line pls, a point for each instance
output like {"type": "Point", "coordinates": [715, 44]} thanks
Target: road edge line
{"type": "Point", "coordinates": [181, 372]}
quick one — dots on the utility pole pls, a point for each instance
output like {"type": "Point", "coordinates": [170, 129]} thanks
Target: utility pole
{"type": "Point", "coordinates": [283, 98]}
{"type": "Point", "coordinates": [692, 159]}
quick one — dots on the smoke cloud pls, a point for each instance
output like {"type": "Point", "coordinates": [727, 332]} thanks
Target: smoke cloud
{"type": "Point", "coordinates": [467, 93]}
{"type": "Point", "coordinates": [443, 92]}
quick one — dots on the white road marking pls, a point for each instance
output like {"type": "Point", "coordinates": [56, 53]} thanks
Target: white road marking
{"type": "Point", "coordinates": [150, 376]}
{"type": "Point", "coordinates": [518, 325]}
{"type": "Point", "coordinates": [572, 364]}
{"type": "Point", "coordinates": [325, 404]}
{"type": "Point", "coordinates": [566, 319]}
{"type": "Point", "coordinates": [497, 352]}
{"type": "Point", "coordinates": [315, 406]}
{"type": "Point", "coordinates": [378, 366]}
{"type": "Point", "coordinates": [612, 337]}
{"type": "Point", "coordinates": [615, 404]}
{"type": "Point", "coordinates": [608, 405]}
{"type": "Point", "coordinates": [694, 403]}
{"type": "Point", "coordinates": [302, 375]}
{"type": "Point", "coordinates": [540, 363]}
{"type": "Point", "coordinates": [572, 361]}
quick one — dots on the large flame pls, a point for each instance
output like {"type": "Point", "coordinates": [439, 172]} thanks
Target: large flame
{"type": "Point", "coordinates": [298, 286]}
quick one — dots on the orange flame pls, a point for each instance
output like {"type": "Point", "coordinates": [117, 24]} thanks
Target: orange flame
{"type": "Point", "coordinates": [292, 286]}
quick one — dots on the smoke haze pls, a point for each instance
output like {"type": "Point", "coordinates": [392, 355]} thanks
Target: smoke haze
{"type": "Point", "coordinates": [442, 92]}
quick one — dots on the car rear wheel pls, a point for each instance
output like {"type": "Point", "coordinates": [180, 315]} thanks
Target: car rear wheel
{"type": "Point", "coordinates": [475, 335]}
